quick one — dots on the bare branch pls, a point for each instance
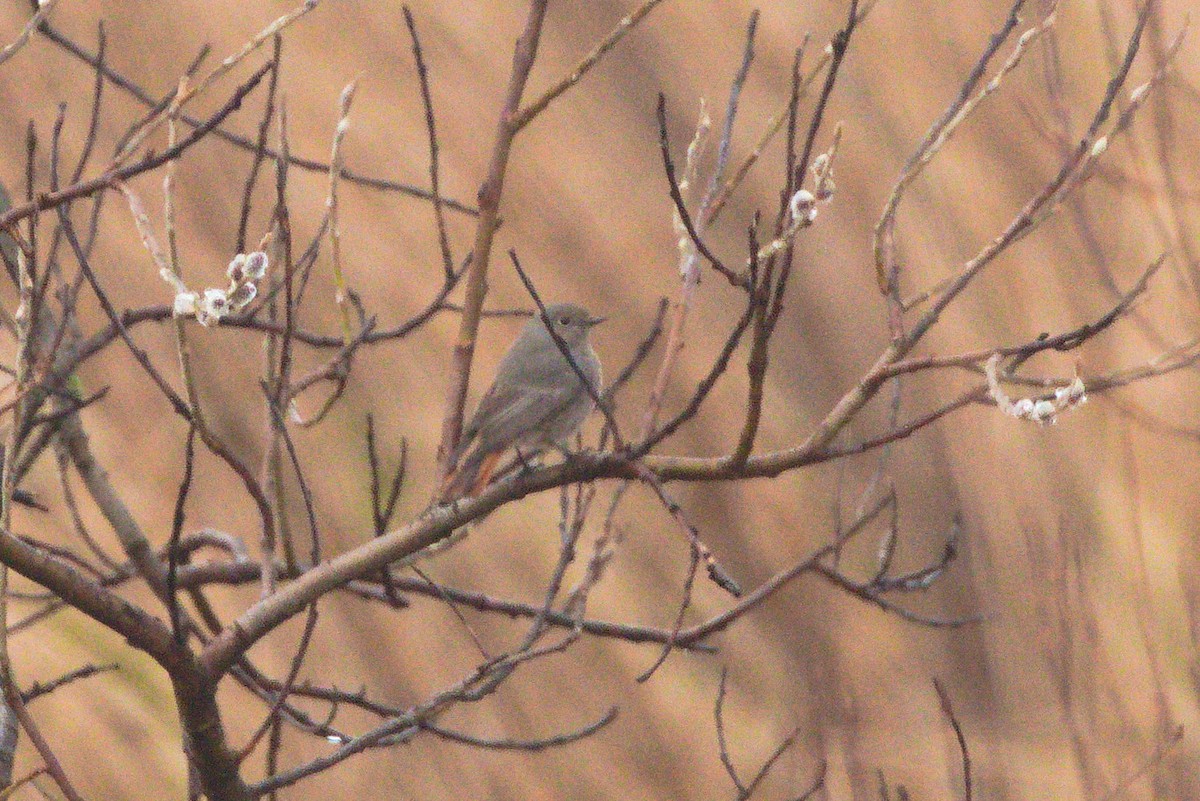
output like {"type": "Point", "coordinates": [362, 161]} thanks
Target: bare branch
{"type": "Point", "coordinates": [965, 754]}
{"type": "Point", "coordinates": [489, 220]}
{"type": "Point", "coordinates": [540, 744]}
{"type": "Point", "coordinates": [39, 16]}
{"type": "Point", "coordinates": [627, 23]}
{"type": "Point", "coordinates": [52, 200]}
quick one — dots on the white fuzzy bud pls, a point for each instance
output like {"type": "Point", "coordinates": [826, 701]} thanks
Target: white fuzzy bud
{"type": "Point", "coordinates": [240, 297]}
{"type": "Point", "coordinates": [186, 304]}
{"type": "Point", "coordinates": [237, 268]}
{"type": "Point", "coordinates": [803, 206]}
{"type": "Point", "coordinates": [256, 265]}
{"type": "Point", "coordinates": [212, 307]}
{"type": "Point", "coordinates": [1043, 411]}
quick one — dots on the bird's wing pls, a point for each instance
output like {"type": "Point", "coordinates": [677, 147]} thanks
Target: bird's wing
{"type": "Point", "coordinates": [514, 413]}
{"type": "Point", "coordinates": [500, 404]}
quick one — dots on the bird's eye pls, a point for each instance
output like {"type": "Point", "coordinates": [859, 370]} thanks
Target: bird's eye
{"type": "Point", "coordinates": [564, 321]}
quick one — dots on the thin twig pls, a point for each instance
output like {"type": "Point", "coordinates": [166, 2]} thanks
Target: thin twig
{"type": "Point", "coordinates": [310, 626]}
{"type": "Point", "coordinates": [941, 130]}
{"type": "Point", "coordinates": [189, 454]}
{"type": "Point", "coordinates": [309, 165]}
{"type": "Point", "coordinates": [540, 744]}
{"type": "Point", "coordinates": [435, 191]}
{"type": "Point", "coordinates": [42, 13]}
{"type": "Point", "coordinates": [243, 571]}
{"type": "Point", "coordinates": [111, 177]}
{"type": "Point", "coordinates": [38, 689]}
{"type": "Point", "coordinates": [53, 767]}
{"type": "Point", "coordinates": [336, 158]}
{"type": "Point", "coordinates": [382, 508]}
{"type": "Point", "coordinates": [681, 206]}
{"type": "Point", "coordinates": [190, 91]}
{"type": "Point", "coordinates": [964, 753]}
{"type": "Point", "coordinates": [627, 23]}
{"type": "Point", "coordinates": [722, 745]}
{"type": "Point", "coordinates": [260, 145]}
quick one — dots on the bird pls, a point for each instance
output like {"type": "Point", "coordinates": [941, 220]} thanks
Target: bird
{"type": "Point", "coordinates": [536, 401]}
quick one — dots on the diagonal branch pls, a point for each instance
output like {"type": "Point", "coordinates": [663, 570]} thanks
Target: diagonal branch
{"type": "Point", "coordinates": [51, 200]}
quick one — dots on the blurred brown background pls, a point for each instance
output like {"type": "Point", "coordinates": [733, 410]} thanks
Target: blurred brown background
{"type": "Point", "coordinates": [1078, 549]}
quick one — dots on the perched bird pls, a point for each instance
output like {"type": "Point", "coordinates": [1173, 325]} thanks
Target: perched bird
{"type": "Point", "coordinates": [536, 401]}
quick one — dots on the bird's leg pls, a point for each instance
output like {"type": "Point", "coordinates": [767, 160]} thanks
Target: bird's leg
{"type": "Point", "coordinates": [527, 465]}
{"type": "Point", "coordinates": [565, 452]}
{"type": "Point", "coordinates": [568, 453]}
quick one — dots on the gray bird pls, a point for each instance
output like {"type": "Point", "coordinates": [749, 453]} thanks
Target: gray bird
{"type": "Point", "coordinates": [536, 402]}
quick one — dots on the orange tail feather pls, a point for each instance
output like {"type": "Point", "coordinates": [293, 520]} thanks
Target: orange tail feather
{"type": "Point", "coordinates": [471, 476]}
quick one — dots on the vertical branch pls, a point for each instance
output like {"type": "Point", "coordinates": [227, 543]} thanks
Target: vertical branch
{"type": "Point", "coordinates": [723, 148]}
{"type": "Point", "coordinates": [31, 252]}
{"type": "Point", "coordinates": [336, 159]}
{"type": "Point", "coordinates": [53, 766]}
{"type": "Point", "coordinates": [280, 427]}
{"type": "Point", "coordinates": [756, 363]}
{"type": "Point", "coordinates": [11, 697]}
{"type": "Point", "coordinates": [276, 367]}
{"type": "Point", "coordinates": [490, 192]}
{"type": "Point", "coordinates": [26, 324]}
{"type": "Point", "coordinates": [89, 142]}
{"type": "Point", "coordinates": [691, 279]}
{"type": "Point", "coordinates": [839, 45]}
{"type": "Point", "coordinates": [260, 145]}
{"type": "Point", "coordinates": [722, 744]}
{"type": "Point", "coordinates": [689, 266]}
{"type": "Point", "coordinates": [775, 123]}
{"type": "Point", "coordinates": [185, 484]}
{"type": "Point", "coordinates": [964, 752]}
{"type": "Point", "coordinates": [170, 261]}
{"type": "Point", "coordinates": [205, 740]}
{"type": "Point", "coordinates": [274, 714]}
{"type": "Point", "coordinates": [439, 214]}
{"type": "Point", "coordinates": [785, 230]}
{"type": "Point", "coordinates": [9, 729]}
{"type": "Point", "coordinates": [884, 236]}
{"type": "Point", "coordinates": [383, 508]}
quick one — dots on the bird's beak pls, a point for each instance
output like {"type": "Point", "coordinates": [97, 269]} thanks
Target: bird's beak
{"type": "Point", "coordinates": [595, 321]}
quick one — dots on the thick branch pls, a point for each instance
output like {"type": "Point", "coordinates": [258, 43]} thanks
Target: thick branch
{"type": "Point", "coordinates": [489, 220]}
{"type": "Point", "coordinates": [140, 629]}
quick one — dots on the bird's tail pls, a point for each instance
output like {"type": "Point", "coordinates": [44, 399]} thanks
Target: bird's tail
{"type": "Point", "coordinates": [470, 476]}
